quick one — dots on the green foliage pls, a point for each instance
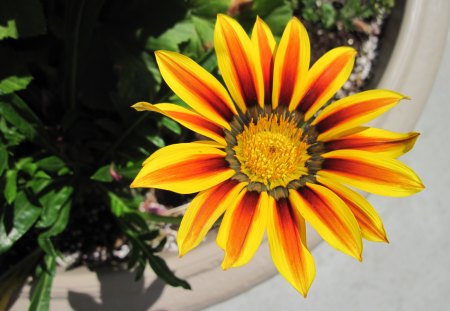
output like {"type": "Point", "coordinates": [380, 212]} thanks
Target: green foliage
{"type": "Point", "coordinates": [69, 141]}
{"type": "Point", "coordinates": [327, 13]}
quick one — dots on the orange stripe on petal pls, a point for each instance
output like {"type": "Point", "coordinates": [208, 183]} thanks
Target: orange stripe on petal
{"type": "Point", "coordinates": [291, 65]}
{"type": "Point", "coordinates": [184, 168]}
{"type": "Point", "coordinates": [265, 43]}
{"type": "Point", "coordinates": [325, 78]}
{"type": "Point", "coordinates": [354, 110]}
{"type": "Point", "coordinates": [197, 87]}
{"type": "Point", "coordinates": [286, 234]}
{"type": "Point", "coordinates": [369, 222]}
{"type": "Point", "coordinates": [370, 172]}
{"type": "Point", "coordinates": [203, 212]}
{"type": "Point", "coordinates": [330, 217]}
{"type": "Point", "coordinates": [242, 228]}
{"type": "Point", "coordinates": [187, 118]}
{"type": "Point", "coordinates": [239, 63]}
{"type": "Point", "coordinates": [375, 140]}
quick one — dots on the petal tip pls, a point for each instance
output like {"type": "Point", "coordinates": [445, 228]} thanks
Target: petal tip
{"type": "Point", "coordinates": [141, 106]}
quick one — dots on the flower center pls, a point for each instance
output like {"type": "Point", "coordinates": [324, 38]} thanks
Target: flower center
{"type": "Point", "coordinates": [271, 151]}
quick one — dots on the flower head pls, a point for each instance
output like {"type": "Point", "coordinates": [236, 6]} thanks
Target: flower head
{"type": "Point", "coordinates": [276, 157]}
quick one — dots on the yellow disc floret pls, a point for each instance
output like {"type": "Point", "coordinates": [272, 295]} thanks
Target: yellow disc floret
{"type": "Point", "coordinates": [271, 151]}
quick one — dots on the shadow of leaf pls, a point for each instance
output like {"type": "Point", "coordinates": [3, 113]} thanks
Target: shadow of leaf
{"type": "Point", "coordinates": [118, 291]}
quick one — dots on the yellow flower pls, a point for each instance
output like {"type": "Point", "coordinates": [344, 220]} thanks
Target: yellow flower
{"type": "Point", "coordinates": [276, 157]}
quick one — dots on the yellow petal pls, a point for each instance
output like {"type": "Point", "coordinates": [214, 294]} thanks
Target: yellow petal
{"type": "Point", "coordinates": [263, 39]}
{"type": "Point", "coordinates": [242, 228]}
{"type": "Point", "coordinates": [286, 235]}
{"type": "Point", "coordinates": [187, 118]}
{"type": "Point", "coordinates": [370, 172]}
{"type": "Point", "coordinates": [369, 222]}
{"type": "Point", "coordinates": [325, 78]}
{"type": "Point", "coordinates": [382, 142]}
{"type": "Point", "coordinates": [196, 86]}
{"type": "Point", "coordinates": [330, 217]}
{"type": "Point", "coordinates": [291, 65]}
{"type": "Point", "coordinates": [203, 212]}
{"type": "Point", "coordinates": [239, 63]}
{"type": "Point", "coordinates": [353, 111]}
{"type": "Point", "coordinates": [184, 168]}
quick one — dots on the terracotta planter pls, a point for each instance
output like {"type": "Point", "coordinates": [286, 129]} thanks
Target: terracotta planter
{"type": "Point", "coordinates": [410, 56]}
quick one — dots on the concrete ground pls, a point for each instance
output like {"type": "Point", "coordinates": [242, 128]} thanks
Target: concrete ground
{"type": "Point", "coordinates": [413, 271]}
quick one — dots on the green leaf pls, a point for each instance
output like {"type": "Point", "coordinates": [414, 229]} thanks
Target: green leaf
{"type": "Point", "coordinates": [11, 115]}
{"type": "Point", "coordinates": [10, 190]}
{"type": "Point", "coordinates": [205, 30]}
{"type": "Point", "coordinates": [9, 31]}
{"type": "Point", "coordinates": [208, 8]}
{"type": "Point", "coordinates": [328, 15]}
{"type": "Point", "coordinates": [40, 297]}
{"type": "Point", "coordinates": [183, 32]}
{"type": "Point", "coordinates": [102, 174]}
{"type": "Point", "coordinates": [51, 164]}
{"type": "Point", "coordinates": [156, 140]}
{"type": "Point", "coordinates": [24, 216]}
{"type": "Point", "coordinates": [171, 125]}
{"type": "Point", "coordinates": [149, 236]}
{"type": "Point", "coordinates": [130, 171]}
{"type": "Point", "coordinates": [13, 84]}
{"type": "Point", "coordinates": [25, 18]}
{"type": "Point", "coordinates": [52, 202]}
{"type": "Point", "coordinates": [60, 224]}
{"type": "Point", "coordinates": [162, 270]}
{"type": "Point", "coordinates": [118, 206]}
{"type": "Point", "coordinates": [3, 159]}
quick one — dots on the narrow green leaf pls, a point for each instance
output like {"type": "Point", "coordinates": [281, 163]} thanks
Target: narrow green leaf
{"type": "Point", "coordinates": [162, 270]}
{"type": "Point", "coordinates": [3, 159]}
{"type": "Point", "coordinates": [60, 224]}
{"type": "Point", "coordinates": [52, 202]}
{"type": "Point", "coordinates": [13, 117]}
{"type": "Point", "coordinates": [10, 190]}
{"type": "Point", "coordinates": [13, 84]}
{"type": "Point", "coordinates": [118, 206]}
{"type": "Point", "coordinates": [149, 236]}
{"type": "Point", "coordinates": [171, 125]}
{"type": "Point", "coordinates": [102, 174]}
{"type": "Point", "coordinates": [160, 246]}
{"type": "Point", "coordinates": [51, 164]}
{"type": "Point", "coordinates": [25, 215]}
{"type": "Point", "coordinates": [40, 297]}
{"type": "Point", "coordinates": [156, 140]}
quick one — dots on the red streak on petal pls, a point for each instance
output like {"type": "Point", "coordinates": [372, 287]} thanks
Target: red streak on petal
{"type": "Point", "coordinates": [203, 123]}
{"type": "Point", "coordinates": [326, 214]}
{"type": "Point", "coordinates": [346, 114]}
{"type": "Point", "coordinates": [199, 167]}
{"type": "Point", "coordinates": [241, 66]}
{"type": "Point", "coordinates": [367, 143]}
{"type": "Point", "coordinates": [289, 72]}
{"type": "Point", "coordinates": [242, 221]}
{"type": "Point", "coordinates": [363, 220]}
{"type": "Point", "coordinates": [266, 63]}
{"type": "Point", "coordinates": [198, 87]}
{"type": "Point", "coordinates": [209, 206]}
{"type": "Point", "coordinates": [363, 171]}
{"type": "Point", "coordinates": [290, 235]}
{"type": "Point", "coordinates": [322, 82]}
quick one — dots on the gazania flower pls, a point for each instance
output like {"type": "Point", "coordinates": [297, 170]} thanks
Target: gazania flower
{"type": "Point", "coordinates": [276, 156]}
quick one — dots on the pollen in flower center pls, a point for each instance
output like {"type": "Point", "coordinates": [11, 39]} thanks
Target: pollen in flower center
{"type": "Point", "coordinates": [271, 151]}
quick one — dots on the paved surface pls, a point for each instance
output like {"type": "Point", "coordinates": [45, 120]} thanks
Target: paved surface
{"type": "Point", "coordinates": [413, 271]}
